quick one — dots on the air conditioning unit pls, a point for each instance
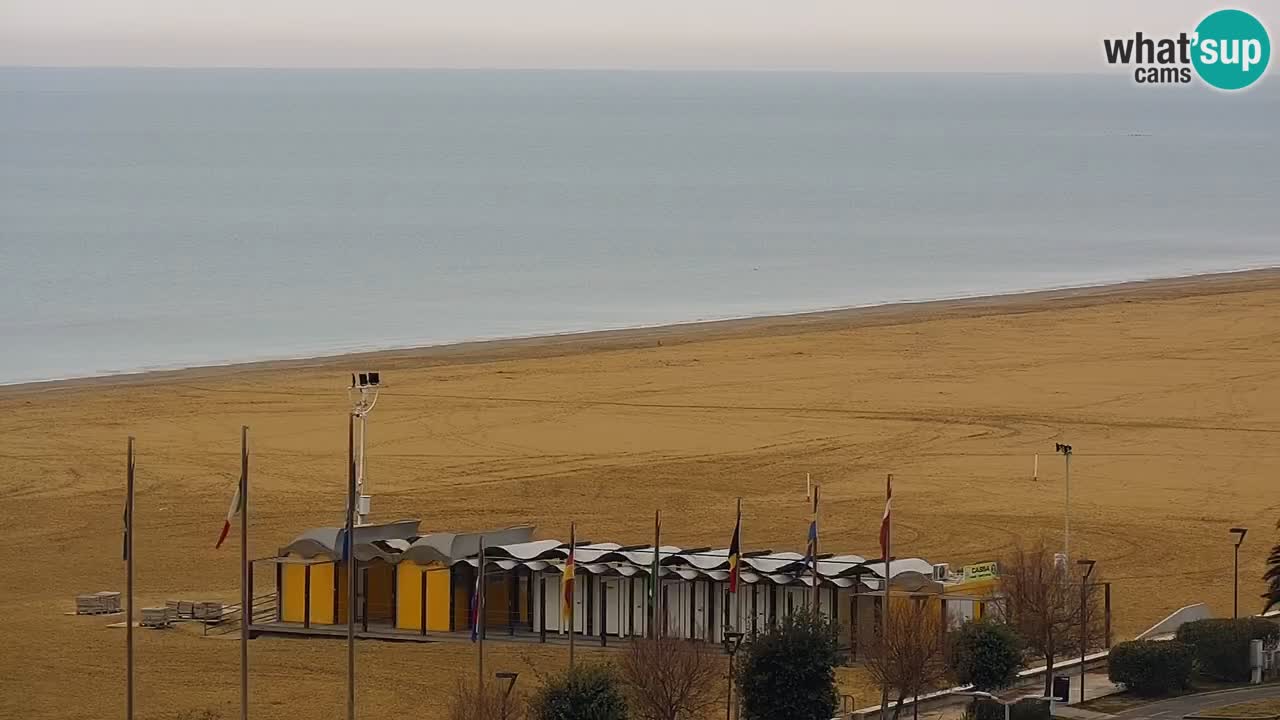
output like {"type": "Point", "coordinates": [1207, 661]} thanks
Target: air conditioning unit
{"type": "Point", "coordinates": [941, 572]}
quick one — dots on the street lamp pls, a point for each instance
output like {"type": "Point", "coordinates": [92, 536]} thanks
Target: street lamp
{"type": "Point", "coordinates": [1006, 704]}
{"type": "Point", "coordinates": [1239, 532]}
{"type": "Point", "coordinates": [1084, 616]}
{"type": "Point", "coordinates": [1066, 525]}
{"type": "Point", "coordinates": [363, 395]}
{"type": "Point", "coordinates": [732, 641]}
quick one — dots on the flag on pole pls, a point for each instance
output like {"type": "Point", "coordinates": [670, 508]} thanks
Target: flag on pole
{"type": "Point", "coordinates": [237, 504]}
{"type": "Point", "coordinates": [654, 571]}
{"type": "Point", "coordinates": [653, 626]}
{"type": "Point", "coordinates": [125, 551]}
{"type": "Point", "coordinates": [569, 566]}
{"type": "Point", "coordinates": [735, 553]}
{"type": "Point", "coordinates": [884, 522]}
{"type": "Point", "coordinates": [477, 602]}
{"type": "Point", "coordinates": [813, 547]}
{"type": "Point", "coordinates": [128, 521]}
{"type": "Point", "coordinates": [811, 554]}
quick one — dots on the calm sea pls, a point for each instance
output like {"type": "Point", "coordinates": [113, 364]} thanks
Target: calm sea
{"type": "Point", "coordinates": [165, 218]}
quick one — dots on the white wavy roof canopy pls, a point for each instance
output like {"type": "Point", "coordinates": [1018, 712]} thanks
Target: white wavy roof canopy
{"type": "Point", "coordinates": [511, 548]}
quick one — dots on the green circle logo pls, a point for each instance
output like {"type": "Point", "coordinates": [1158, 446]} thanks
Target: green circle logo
{"type": "Point", "coordinates": [1232, 49]}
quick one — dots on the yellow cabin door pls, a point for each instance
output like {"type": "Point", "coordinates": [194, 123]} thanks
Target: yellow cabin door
{"type": "Point", "coordinates": [409, 609]}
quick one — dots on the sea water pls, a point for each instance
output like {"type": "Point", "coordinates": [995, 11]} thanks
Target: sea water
{"type": "Point", "coordinates": [168, 218]}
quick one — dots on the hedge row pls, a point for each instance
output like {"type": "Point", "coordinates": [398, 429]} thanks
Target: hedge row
{"type": "Point", "coordinates": [1222, 646]}
{"type": "Point", "coordinates": [1150, 667]}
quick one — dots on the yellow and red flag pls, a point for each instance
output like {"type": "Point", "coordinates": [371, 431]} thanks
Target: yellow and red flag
{"type": "Point", "coordinates": [568, 576]}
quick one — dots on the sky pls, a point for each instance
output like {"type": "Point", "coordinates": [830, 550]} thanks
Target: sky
{"type": "Point", "coordinates": [844, 35]}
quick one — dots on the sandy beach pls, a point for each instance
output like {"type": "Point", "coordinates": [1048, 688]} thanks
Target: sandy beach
{"type": "Point", "coordinates": [1169, 392]}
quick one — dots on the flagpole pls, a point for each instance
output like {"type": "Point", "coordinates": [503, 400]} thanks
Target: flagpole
{"type": "Point", "coordinates": [246, 599]}
{"type": "Point", "coordinates": [816, 596]}
{"type": "Point", "coordinates": [884, 611]}
{"type": "Point", "coordinates": [654, 572]}
{"type": "Point", "coordinates": [573, 586]}
{"type": "Point", "coordinates": [737, 600]}
{"type": "Point", "coordinates": [481, 584]}
{"type": "Point", "coordinates": [349, 553]}
{"type": "Point", "coordinates": [128, 557]}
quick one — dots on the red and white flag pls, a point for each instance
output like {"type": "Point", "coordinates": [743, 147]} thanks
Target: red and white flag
{"type": "Point", "coordinates": [884, 522]}
{"type": "Point", "coordinates": [236, 507]}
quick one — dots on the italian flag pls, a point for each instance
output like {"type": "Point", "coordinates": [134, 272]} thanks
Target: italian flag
{"type": "Point", "coordinates": [236, 507]}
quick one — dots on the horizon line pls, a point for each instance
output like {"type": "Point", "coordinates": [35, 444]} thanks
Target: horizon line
{"type": "Point", "coordinates": [544, 69]}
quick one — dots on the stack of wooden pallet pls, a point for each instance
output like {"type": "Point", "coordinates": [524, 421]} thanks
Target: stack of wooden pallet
{"type": "Point", "coordinates": [157, 617]}
{"type": "Point", "coordinates": [99, 603]}
{"type": "Point", "coordinates": [208, 610]}
{"type": "Point", "coordinates": [181, 609]}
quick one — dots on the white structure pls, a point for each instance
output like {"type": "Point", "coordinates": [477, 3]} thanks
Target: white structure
{"type": "Point", "coordinates": [611, 599]}
{"type": "Point", "coordinates": [363, 395]}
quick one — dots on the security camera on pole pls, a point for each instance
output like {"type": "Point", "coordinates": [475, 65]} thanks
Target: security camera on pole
{"type": "Point", "coordinates": [363, 395]}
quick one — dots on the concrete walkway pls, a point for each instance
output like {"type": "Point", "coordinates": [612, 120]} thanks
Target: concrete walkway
{"type": "Point", "coordinates": [1096, 685]}
{"type": "Point", "coordinates": [1075, 713]}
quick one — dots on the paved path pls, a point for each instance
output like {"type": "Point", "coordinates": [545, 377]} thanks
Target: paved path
{"type": "Point", "coordinates": [1096, 685]}
{"type": "Point", "coordinates": [1176, 708]}
{"type": "Point", "coordinates": [1075, 713]}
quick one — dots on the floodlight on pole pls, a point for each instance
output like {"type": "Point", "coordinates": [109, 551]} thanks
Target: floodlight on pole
{"type": "Point", "coordinates": [363, 395]}
{"type": "Point", "coordinates": [1084, 615]}
{"type": "Point", "coordinates": [1066, 522]}
{"type": "Point", "coordinates": [1239, 532]}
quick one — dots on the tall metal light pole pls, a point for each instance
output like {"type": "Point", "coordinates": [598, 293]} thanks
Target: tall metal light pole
{"type": "Point", "coordinates": [348, 552]}
{"type": "Point", "coordinates": [1084, 616]}
{"type": "Point", "coordinates": [1239, 532]}
{"type": "Point", "coordinates": [246, 574]}
{"type": "Point", "coordinates": [363, 395]}
{"type": "Point", "coordinates": [1066, 522]}
{"type": "Point", "coordinates": [128, 598]}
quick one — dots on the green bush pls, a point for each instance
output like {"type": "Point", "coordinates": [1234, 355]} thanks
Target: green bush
{"type": "Point", "coordinates": [1150, 667]}
{"type": "Point", "coordinates": [788, 671]}
{"type": "Point", "coordinates": [1221, 647]}
{"type": "Point", "coordinates": [986, 654]}
{"type": "Point", "coordinates": [1024, 709]}
{"type": "Point", "coordinates": [586, 692]}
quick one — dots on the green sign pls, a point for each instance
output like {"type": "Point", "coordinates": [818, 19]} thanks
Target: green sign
{"type": "Point", "coordinates": [981, 571]}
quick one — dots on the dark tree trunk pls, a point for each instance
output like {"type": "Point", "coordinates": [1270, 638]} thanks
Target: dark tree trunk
{"type": "Point", "coordinates": [1048, 667]}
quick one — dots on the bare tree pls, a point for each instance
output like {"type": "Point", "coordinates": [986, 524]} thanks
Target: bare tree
{"type": "Point", "coordinates": [912, 659]}
{"type": "Point", "coordinates": [1042, 601]}
{"type": "Point", "coordinates": [669, 679]}
{"type": "Point", "coordinates": [488, 702]}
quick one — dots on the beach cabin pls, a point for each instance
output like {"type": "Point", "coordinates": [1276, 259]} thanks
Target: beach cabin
{"type": "Point", "coordinates": [414, 584]}
{"type": "Point", "coordinates": [406, 581]}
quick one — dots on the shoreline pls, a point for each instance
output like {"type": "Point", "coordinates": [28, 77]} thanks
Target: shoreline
{"type": "Point", "coordinates": [889, 313]}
